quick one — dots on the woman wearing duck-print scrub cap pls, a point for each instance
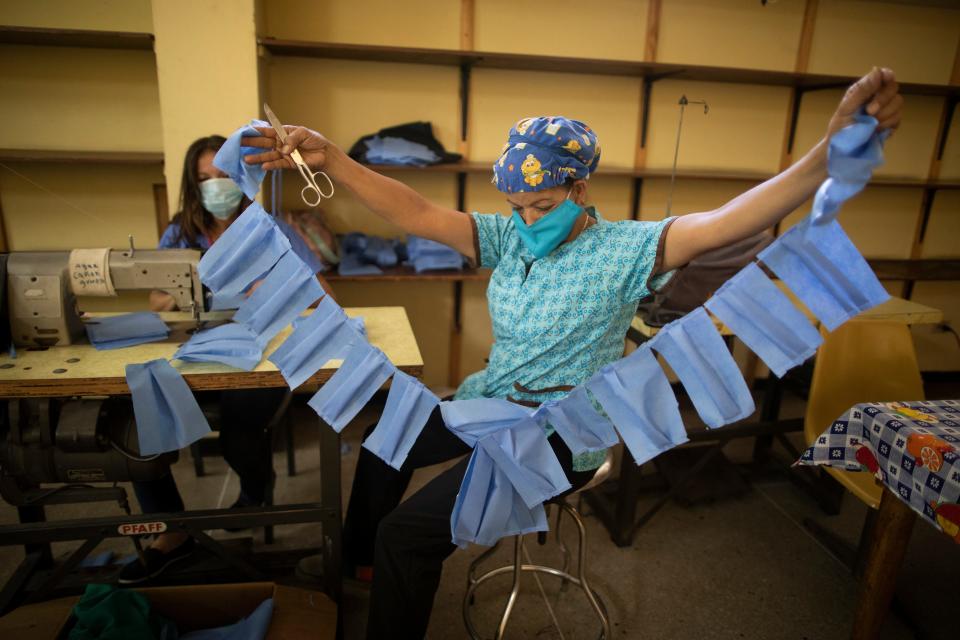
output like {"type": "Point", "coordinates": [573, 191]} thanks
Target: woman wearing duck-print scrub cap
{"type": "Point", "coordinates": [564, 287]}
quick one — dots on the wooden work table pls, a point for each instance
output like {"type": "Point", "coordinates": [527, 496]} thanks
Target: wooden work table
{"type": "Point", "coordinates": [81, 369]}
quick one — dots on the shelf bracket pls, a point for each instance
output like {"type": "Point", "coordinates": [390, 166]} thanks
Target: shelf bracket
{"type": "Point", "coordinates": [465, 68]}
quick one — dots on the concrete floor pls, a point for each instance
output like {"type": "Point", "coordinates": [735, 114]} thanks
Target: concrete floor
{"type": "Point", "coordinates": [735, 568]}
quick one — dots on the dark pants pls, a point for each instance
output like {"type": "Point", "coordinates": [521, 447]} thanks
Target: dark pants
{"type": "Point", "coordinates": [244, 442]}
{"type": "Point", "coordinates": [407, 543]}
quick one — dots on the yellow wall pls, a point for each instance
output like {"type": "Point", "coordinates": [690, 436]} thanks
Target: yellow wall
{"type": "Point", "coordinates": [731, 33]}
{"type": "Point", "coordinates": [115, 200]}
{"type": "Point", "coordinates": [106, 15]}
{"type": "Point", "coordinates": [852, 36]}
{"type": "Point", "coordinates": [207, 73]}
{"type": "Point", "coordinates": [611, 29]}
{"type": "Point", "coordinates": [71, 98]}
{"type": "Point", "coordinates": [411, 23]}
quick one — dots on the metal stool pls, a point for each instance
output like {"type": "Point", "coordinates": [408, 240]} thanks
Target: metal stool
{"type": "Point", "coordinates": [519, 551]}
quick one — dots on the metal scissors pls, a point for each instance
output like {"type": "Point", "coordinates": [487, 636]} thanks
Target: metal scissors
{"type": "Point", "coordinates": [312, 189]}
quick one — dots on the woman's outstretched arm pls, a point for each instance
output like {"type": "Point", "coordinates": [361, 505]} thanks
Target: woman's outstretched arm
{"type": "Point", "coordinates": [768, 203]}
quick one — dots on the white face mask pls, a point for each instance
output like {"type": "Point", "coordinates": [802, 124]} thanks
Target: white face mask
{"type": "Point", "coordinates": [220, 196]}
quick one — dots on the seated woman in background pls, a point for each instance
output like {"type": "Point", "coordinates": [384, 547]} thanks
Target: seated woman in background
{"type": "Point", "coordinates": [209, 203]}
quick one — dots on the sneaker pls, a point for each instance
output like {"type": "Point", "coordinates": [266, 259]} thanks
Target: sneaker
{"type": "Point", "coordinates": [310, 569]}
{"type": "Point", "coordinates": [134, 572]}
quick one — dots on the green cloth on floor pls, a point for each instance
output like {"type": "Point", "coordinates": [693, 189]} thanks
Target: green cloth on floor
{"type": "Point", "coordinates": [108, 613]}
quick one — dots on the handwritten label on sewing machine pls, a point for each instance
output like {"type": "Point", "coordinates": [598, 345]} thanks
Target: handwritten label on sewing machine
{"type": "Point", "coordinates": [141, 528]}
{"type": "Point", "coordinates": [90, 272]}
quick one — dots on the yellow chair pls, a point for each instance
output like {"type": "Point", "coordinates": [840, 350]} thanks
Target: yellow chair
{"type": "Point", "coordinates": [862, 361]}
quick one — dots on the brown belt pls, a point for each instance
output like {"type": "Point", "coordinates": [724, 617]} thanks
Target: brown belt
{"type": "Point", "coordinates": [531, 403]}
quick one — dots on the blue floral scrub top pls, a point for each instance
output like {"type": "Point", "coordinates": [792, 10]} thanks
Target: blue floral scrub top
{"type": "Point", "coordinates": [558, 319]}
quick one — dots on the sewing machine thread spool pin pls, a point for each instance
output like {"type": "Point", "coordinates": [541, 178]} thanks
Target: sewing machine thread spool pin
{"type": "Point", "coordinates": [683, 102]}
{"type": "Point", "coordinates": [132, 248]}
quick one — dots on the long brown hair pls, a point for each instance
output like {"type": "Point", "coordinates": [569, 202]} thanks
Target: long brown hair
{"type": "Point", "coordinates": [193, 219]}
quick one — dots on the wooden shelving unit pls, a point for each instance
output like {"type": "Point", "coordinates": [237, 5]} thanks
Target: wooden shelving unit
{"type": "Point", "coordinates": [76, 38]}
{"type": "Point", "coordinates": [593, 66]}
{"type": "Point", "coordinates": [72, 156]}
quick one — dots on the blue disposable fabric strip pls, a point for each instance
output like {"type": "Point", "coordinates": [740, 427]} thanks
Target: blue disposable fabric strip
{"type": "Point", "coordinates": [523, 453]}
{"type": "Point", "coordinates": [512, 471]}
{"type": "Point", "coordinates": [473, 419]}
{"type": "Point", "coordinates": [115, 332]}
{"type": "Point", "coordinates": [636, 394]}
{"type": "Point", "coordinates": [316, 339]}
{"type": "Point", "coordinates": [764, 318]}
{"type": "Point", "coordinates": [246, 251]}
{"type": "Point", "coordinates": [220, 302]}
{"type": "Point", "coordinates": [230, 344]}
{"type": "Point", "coordinates": [488, 507]}
{"type": "Point", "coordinates": [697, 354]}
{"type": "Point", "coordinates": [168, 416]}
{"type": "Point", "coordinates": [364, 370]}
{"type": "Point", "coordinates": [288, 289]}
{"type": "Point", "coordinates": [252, 627]}
{"type": "Point", "coordinates": [409, 405]}
{"type": "Point", "coordinates": [852, 154]}
{"type": "Point", "coordinates": [578, 423]}
{"type": "Point", "coordinates": [824, 269]}
{"type": "Point", "coordinates": [229, 159]}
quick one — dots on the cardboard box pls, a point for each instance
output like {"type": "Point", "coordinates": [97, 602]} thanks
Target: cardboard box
{"type": "Point", "coordinates": [297, 613]}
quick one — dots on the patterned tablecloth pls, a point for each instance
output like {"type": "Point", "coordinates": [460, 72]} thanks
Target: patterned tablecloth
{"type": "Point", "coordinates": [913, 448]}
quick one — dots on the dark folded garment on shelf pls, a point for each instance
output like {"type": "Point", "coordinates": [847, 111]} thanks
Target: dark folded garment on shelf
{"type": "Point", "coordinates": [411, 144]}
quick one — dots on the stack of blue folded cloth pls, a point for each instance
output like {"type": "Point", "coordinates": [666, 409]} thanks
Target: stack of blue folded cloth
{"type": "Point", "coordinates": [369, 255]}
{"type": "Point", "coordinates": [397, 151]}
{"type": "Point", "coordinates": [427, 255]}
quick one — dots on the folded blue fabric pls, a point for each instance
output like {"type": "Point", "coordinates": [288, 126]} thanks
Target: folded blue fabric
{"type": "Point", "coordinates": [229, 159]}
{"type": "Point", "coordinates": [288, 289]}
{"type": "Point", "coordinates": [852, 154]}
{"type": "Point", "coordinates": [115, 332]}
{"type": "Point", "coordinates": [765, 319]}
{"type": "Point", "coordinates": [409, 405]}
{"type": "Point", "coordinates": [245, 252]}
{"type": "Point", "coordinates": [317, 338]}
{"type": "Point", "coordinates": [578, 423]}
{"type": "Point", "coordinates": [220, 302]}
{"type": "Point", "coordinates": [428, 255]}
{"type": "Point", "coordinates": [473, 419]}
{"type": "Point", "coordinates": [379, 251]}
{"type": "Point", "coordinates": [697, 354]}
{"type": "Point", "coordinates": [168, 416]}
{"type": "Point", "coordinates": [358, 323]}
{"type": "Point", "coordinates": [231, 344]}
{"type": "Point", "coordinates": [488, 508]}
{"type": "Point", "coordinates": [512, 471]}
{"type": "Point", "coordinates": [252, 627]}
{"type": "Point", "coordinates": [523, 453]}
{"type": "Point", "coordinates": [398, 151]}
{"type": "Point", "coordinates": [364, 370]}
{"type": "Point", "coordinates": [636, 394]}
{"type": "Point", "coordinates": [824, 269]}
{"type": "Point", "coordinates": [353, 265]}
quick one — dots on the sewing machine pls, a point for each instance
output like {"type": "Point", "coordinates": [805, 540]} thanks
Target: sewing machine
{"type": "Point", "coordinates": [43, 306]}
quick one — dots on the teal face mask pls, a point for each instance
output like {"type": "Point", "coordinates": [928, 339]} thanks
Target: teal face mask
{"type": "Point", "coordinates": [546, 234]}
{"type": "Point", "coordinates": [220, 196]}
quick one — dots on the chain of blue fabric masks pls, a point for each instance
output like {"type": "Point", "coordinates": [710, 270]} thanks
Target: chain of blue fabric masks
{"type": "Point", "coordinates": [512, 470]}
